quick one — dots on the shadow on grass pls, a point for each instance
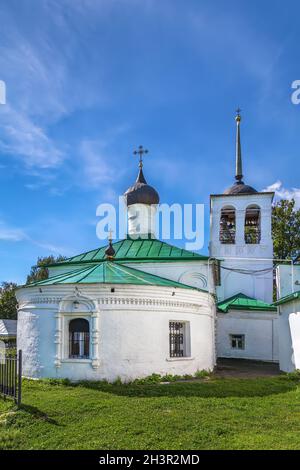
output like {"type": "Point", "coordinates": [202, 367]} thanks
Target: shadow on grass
{"type": "Point", "coordinates": [213, 388]}
{"type": "Point", "coordinates": [36, 413]}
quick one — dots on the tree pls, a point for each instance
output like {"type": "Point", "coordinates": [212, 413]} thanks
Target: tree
{"type": "Point", "coordinates": [286, 229]}
{"type": "Point", "coordinates": [39, 272]}
{"type": "Point", "coordinates": [8, 301]}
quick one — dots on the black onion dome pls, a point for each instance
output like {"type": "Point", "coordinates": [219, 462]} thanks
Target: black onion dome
{"type": "Point", "coordinates": [240, 188]}
{"type": "Point", "coordinates": [141, 192]}
{"type": "Point", "coordinates": [110, 251]}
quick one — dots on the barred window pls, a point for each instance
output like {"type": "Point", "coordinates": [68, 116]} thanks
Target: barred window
{"type": "Point", "coordinates": [237, 341]}
{"type": "Point", "coordinates": [177, 339]}
{"type": "Point", "coordinates": [79, 339]}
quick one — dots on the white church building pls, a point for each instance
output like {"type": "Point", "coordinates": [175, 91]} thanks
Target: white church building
{"type": "Point", "coordinates": [288, 304]}
{"type": "Point", "coordinates": [141, 306]}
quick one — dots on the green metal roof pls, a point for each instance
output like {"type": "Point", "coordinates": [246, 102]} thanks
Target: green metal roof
{"type": "Point", "coordinates": [108, 272]}
{"type": "Point", "coordinates": [136, 251]}
{"type": "Point", "coordinates": [288, 298]}
{"type": "Point", "coordinates": [243, 302]}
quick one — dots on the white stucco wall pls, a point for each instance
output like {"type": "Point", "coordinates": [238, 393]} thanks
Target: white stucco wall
{"type": "Point", "coordinates": [141, 219]}
{"type": "Point", "coordinates": [258, 286]}
{"type": "Point", "coordinates": [129, 331]}
{"type": "Point", "coordinates": [289, 336]}
{"type": "Point", "coordinates": [260, 330]}
{"type": "Point", "coordinates": [287, 279]}
{"type": "Point", "coordinates": [192, 273]}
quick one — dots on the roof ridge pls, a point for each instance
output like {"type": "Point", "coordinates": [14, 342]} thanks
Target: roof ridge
{"type": "Point", "coordinates": [77, 271]}
{"type": "Point", "coordinates": [233, 303]}
{"type": "Point", "coordinates": [234, 297]}
{"type": "Point", "coordinates": [92, 269]}
{"type": "Point", "coordinates": [132, 269]}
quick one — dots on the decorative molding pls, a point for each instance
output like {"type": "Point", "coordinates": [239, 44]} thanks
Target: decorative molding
{"type": "Point", "coordinates": [102, 301]}
{"type": "Point", "coordinates": [193, 278]}
{"type": "Point", "coordinates": [45, 300]}
{"type": "Point", "coordinates": [67, 304]}
{"type": "Point", "coordinates": [147, 302]}
{"type": "Point", "coordinates": [85, 308]}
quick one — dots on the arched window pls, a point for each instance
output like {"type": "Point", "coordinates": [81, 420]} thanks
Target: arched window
{"type": "Point", "coordinates": [227, 225]}
{"type": "Point", "coordinates": [79, 339]}
{"type": "Point", "coordinates": [252, 225]}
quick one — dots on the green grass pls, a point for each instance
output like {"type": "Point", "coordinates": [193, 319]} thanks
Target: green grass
{"type": "Point", "coordinates": [207, 414]}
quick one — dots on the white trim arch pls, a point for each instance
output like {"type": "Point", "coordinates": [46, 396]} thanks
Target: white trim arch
{"type": "Point", "coordinates": [72, 307]}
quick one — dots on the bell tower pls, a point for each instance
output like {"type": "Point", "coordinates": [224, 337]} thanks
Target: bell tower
{"type": "Point", "coordinates": [241, 235]}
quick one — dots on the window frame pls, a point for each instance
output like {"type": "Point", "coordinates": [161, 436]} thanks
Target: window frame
{"type": "Point", "coordinates": [184, 346]}
{"type": "Point", "coordinates": [80, 339]}
{"type": "Point", "coordinates": [237, 337]}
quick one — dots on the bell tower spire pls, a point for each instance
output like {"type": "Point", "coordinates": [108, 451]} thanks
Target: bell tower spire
{"type": "Point", "coordinates": [238, 151]}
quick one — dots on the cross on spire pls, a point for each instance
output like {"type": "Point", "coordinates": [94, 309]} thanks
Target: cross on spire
{"type": "Point", "coordinates": [140, 151]}
{"type": "Point", "coordinates": [238, 151]}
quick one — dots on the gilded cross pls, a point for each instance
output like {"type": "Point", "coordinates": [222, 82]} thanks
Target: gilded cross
{"type": "Point", "coordinates": [140, 151]}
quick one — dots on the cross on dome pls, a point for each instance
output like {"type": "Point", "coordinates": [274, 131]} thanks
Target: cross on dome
{"type": "Point", "coordinates": [141, 151]}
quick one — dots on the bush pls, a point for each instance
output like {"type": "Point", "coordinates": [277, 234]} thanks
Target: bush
{"type": "Point", "coordinates": [118, 381]}
{"type": "Point", "coordinates": [151, 379]}
{"type": "Point", "coordinates": [200, 374]}
{"type": "Point", "coordinates": [293, 375]}
{"type": "Point", "coordinates": [49, 381]}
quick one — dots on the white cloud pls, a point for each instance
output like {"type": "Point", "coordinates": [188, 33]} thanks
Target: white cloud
{"type": "Point", "coordinates": [15, 234]}
{"type": "Point", "coordinates": [21, 137]}
{"type": "Point", "coordinates": [284, 193]}
{"type": "Point", "coordinates": [11, 233]}
{"type": "Point", "coordinates": [96, 163]}
{"type": "Point", "coordinates": [44, 82]}
{"type": "Point", "coordinates": [53, 249]}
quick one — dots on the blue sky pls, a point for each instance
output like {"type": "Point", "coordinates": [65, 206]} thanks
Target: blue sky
{"type": "Point", "coordinates": [89, 80]}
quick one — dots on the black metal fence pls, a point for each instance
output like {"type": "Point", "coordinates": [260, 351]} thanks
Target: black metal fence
{"type": "Point", "coordinates": [11, 375]}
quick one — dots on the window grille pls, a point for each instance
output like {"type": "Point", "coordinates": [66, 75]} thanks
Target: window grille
{"type": "Point", "coordinates": [177, 333]}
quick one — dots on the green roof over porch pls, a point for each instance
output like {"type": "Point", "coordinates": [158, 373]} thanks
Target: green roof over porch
{"type": "Point", "coordinates": [243, 302]}
{"type": "Point", "coordinates": [147, 250]}
{"type": "Point", "coordinates": [288, 298]}
{"type": "Point", "coordinates": [108, 272]}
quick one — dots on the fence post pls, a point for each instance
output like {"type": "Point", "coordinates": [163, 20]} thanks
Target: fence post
{"type": "Point", "coordinates": [19, 377]}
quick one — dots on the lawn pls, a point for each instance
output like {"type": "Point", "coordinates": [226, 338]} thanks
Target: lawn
{"type": "Point", "coordinates": [211, 413]}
